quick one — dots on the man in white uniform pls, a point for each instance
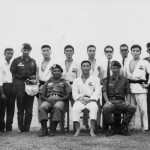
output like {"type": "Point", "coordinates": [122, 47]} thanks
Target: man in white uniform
{"type": "Point", "coordinates": [136, 71]}
{"type": "Point", "coordinates": [86, 91]}
{"type": "Point", "coordinates": [43, 69]}
{"type": "Point", "coordinates": [96, 70]}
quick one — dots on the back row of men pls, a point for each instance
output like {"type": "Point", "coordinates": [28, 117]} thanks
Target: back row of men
{"type": "Point", "coordinates": [87, 79]}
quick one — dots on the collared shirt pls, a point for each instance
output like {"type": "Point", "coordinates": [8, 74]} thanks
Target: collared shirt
{"type": "Point", "coordinates": [90, 88]}
{"type": "Point", "coordinates": [23, 69]}
{"type": "Point", "coordinates": [117, 88]}
{"type": "Point", "coordinates": [51, 87]}
{"type": "Point", "coordinates": [5, 74]}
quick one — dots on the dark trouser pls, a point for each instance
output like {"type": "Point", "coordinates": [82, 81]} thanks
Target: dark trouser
{"type": "Point", "coordinates": [2, 113]}
{"type": "Point", "coordinates": [24, 105]}
{"type": "Point", "coordinates": [55, 108]}
{"type": "Point", "coordinates": [10, 104]}
{"type": "Point", "coordinates": [148, 107]}
{"type": "Point", "coordinates": [118, 106]}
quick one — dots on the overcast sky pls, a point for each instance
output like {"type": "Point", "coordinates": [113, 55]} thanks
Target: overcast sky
{"type": "Point", "coordinates": [75, 22]}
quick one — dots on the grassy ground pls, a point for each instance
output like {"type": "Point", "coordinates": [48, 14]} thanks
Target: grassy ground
{"type": "Point", "coordinates": [30, 140]}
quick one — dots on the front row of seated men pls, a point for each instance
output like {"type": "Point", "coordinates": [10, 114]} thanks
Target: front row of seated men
{"type": "Point", "coordinates": [86, 91]}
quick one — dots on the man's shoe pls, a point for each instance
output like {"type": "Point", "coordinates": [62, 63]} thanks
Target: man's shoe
{"type": "Point", "coordinates": [2, 130]}
{"type": "Point", "coordinates": [110, 132]}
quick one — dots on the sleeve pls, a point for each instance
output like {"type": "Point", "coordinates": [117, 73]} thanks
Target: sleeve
{"type": "Point", "coordinates": [147, 65]}
{"type": "Point", "coordinates": [1, 76]}
{"type": "Point", "coordinates": [97, 92]}
{"type": "Point", "coordinates": [43, 89]}
{"type": "Point", "coordinates": [13, 67]}
{"type": "Point", "coordinates": [127, 86]}
{"type": "Point", "coordinates": [75, 90]}
{"type": "Point", "coordinates": [104, 88]}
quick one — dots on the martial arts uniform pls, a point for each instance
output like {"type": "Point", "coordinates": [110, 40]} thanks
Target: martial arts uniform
{"type": "Point", "coordinates": [138, 92]}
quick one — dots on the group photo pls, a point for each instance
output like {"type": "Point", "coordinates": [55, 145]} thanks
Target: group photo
{"type": "Point", "coordinates": [74, 75]}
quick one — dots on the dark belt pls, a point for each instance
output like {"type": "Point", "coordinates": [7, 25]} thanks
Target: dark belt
{"type": "Point", "coordinates": [113, 98]}
{"type": "Point", "coordinates": [137, 81]}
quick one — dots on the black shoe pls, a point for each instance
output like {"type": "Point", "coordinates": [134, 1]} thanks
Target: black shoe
{"type": "Point", "coordinates": [2, 130]}
{"type": "Point", "coordinates": [110, 132]}
{"type": "Point", "coordinates": [8, 128]}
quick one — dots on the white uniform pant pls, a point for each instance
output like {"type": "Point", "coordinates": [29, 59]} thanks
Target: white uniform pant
{"type": "Point", "coordinates": [78, 107]}
{"type": "Point", "coordinates": [140, 99]}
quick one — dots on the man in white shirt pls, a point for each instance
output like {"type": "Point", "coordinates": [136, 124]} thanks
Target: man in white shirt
{"type": "Point", "coordinates": [136, 71]}
{"type": "Point", "coordinates": [86, 91]}
{"type": "Point", "coordinates": [7, 94]}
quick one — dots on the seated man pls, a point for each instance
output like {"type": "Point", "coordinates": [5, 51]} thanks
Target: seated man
{"type": "Point", "coordinates": [115, 89]}
{"type": "Point", "coordinates": [54, 93]}
{"type": "Point", "coordinates": [86, 92]}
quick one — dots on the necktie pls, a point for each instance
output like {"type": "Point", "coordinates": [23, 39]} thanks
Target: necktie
{"type": "Point", "coordinates": [123, 61]}
{"type": "Point", "coordinates": [108, 69]}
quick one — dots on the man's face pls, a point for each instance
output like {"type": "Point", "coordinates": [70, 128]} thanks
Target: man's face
{"type": "Point", "coordinates": [86, 67]}
{"type": "Point", "coordinates": [46, 52]}
{"type": "Point", "coordinates": [115, 70]}
{"type": "Point", "coordinates": [9, 55]}
{"type": "Point", "coordinates": [109, 53]}
{"type": "Point", "coordinates": [26, 52]}
{"type": "Point", "coordinates": [136, 53]}
{"type": "Point", "coordinates": [69, 52]}
{"type": "Point", "coordinates": [91, 52]}
{"type": "Point", "coordinates": [56, 73]}
{"type": "Point", "coordinates": [124, 51]}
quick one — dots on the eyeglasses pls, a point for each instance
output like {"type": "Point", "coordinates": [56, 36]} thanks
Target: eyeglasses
{"type": "Point", "coordinates": [124, 50]}
{"type": "Point", "coordinates": [108, 51]}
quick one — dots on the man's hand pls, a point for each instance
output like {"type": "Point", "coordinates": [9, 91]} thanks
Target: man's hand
{"type": "Point", "coordinates": [145, 85]}
{"type": "Point", "coordinates": [3, 97]}
{"type": "Point", "coordinates": [108, 103]}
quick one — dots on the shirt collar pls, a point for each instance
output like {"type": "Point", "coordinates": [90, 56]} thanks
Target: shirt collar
{"type": "Point", "coordinates": [113, 78]}
{"type": "Point", "coordinates": [22, 58]}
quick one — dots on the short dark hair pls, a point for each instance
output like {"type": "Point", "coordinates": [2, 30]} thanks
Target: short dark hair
{"type": "Point", "coordinates": [108, 46]}
{"type": "Point", "coordinates": [69, 46]}
{"type": "Point", "coordinates": [7, 49]}
{"type": "Point", "coordinates": [148, 45]}
{"type": "Point", "coordinates": [45, 46]}
{"type": "Point", "coordinates": [85, 61]}
{"type": "Point", "coordinates": [123, 45]}
{"type": "Point", "coordinates": [136, 46]}
{"type": "Point", "coordinates": [91, 46]}
{"type": "Point", "coordinates": [26, 46]}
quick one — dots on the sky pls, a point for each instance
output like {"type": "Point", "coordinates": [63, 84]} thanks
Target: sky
{"type": "Point", "coordinates": [76, 22]}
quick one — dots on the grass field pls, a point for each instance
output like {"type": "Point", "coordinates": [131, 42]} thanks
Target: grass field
{"type": "Point", "coordinates": [30, 140]}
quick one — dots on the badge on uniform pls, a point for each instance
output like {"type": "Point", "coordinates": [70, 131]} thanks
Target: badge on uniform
{"type": "Point", "coordinates": [20, 64]}
{"type": "Point", "coordinates": [141, 67]}
{"type": "Point", "coordinates": [90, 84]}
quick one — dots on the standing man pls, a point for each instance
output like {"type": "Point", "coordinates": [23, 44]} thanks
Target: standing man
{"type": "Point", "coordinates": [114, 91]}
{"type": "Point", "coordinates": [70, 68]}
{"type": "Point", "coordinates": [43, 69]}
{"type": "Point", "coordinates": [23, 68]}
{"type": "Point", "coordinates": [136, 71]}
{"type": "Point", "coordinates": [148, 94]}
{"type": "Point", "coordinates": [96, 70]}
{"type": "Point", "coordinates": [86, 91]}
{"type": "Point", "coordinates": [7, 95]}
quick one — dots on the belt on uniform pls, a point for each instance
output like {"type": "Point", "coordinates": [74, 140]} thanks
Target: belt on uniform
{"type": "Point", "coordinates": [137, 81]}
{"type": "Point", "coordinates": [116, 98]}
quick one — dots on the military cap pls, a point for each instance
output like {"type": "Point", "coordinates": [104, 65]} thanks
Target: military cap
{"type": "Point", "coordinates": [26, 46]}
{"type": "Point", "coordinates": [56, 66]}
{"type": "Point", "coordinates": [115, 63]}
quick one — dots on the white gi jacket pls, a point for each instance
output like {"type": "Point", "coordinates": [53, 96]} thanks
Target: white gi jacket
{"type": "Point", "coordinates": [90, 88]}
{"type": "Point", "coordinates": [139, 73]}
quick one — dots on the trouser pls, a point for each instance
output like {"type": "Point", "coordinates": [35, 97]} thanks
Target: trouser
{"type": "Point", "coordinates": [140, 99]}
{"type": "Point", "coordinates": [78, 107]}
{"type": "Point", "coordinates": [55, 109]}
{"type": "Point", "coordinates": [148, 107]}
{"type": "Point", "coordinates": [10, 104]}
{"type": "Point", "coordinates": [24, 105]}
{"type": "Point", "coordinates": [118, 106]}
